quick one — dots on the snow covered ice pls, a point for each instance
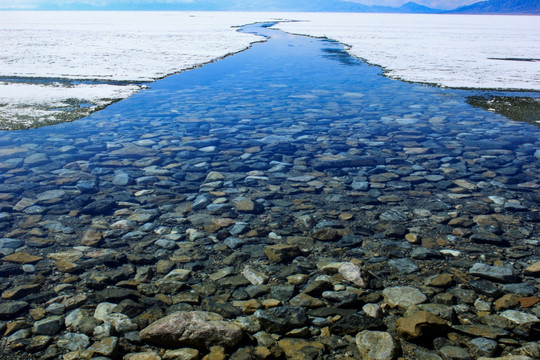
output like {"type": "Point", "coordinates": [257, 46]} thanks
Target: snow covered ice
{"type": "Point", "coordinates": [459, 51]}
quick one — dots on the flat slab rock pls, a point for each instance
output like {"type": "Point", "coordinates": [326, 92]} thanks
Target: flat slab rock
{"type": "Point", "coordinates": [198, 329]}
{"type": "Point", "coordinates": [494, 273]}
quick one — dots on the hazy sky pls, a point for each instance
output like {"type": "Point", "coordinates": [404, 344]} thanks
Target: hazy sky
{"type": "Point", "coordinates": [436, 4]}
{"type": "Point", "coordinates": [153, 4]}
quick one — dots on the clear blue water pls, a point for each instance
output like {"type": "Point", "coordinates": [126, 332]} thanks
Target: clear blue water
{"type": "Point", "coordinates": [298, 99]}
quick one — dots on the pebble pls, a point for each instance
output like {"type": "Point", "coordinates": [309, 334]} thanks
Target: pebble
{"type": "Point", "coordinates": [377, 345]}
{"type": "Point", "coordinates": [353, 273]}
{"type": "Point", "coordinates": [403, 297]}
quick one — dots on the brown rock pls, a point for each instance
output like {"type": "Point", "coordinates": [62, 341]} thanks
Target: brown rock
{"type": "Point", "coordinates": [22, 257]}
{"type": "Point", "coordinates": [20, 291]}
{"type": "Point", "coordinates": [508, 301]}
{"type": "Point", "coordinates": [91, 238]}
{"type": "Point", "coordinates": [66, 266]}
{"type": "Point", "coordinates": [14, 326]}
{"type": "Point", "coordinates": [281, 252]}
{"type": "Point", "coordinates": [420, 324]}
{"type": "Point", "coordinates": [442, 281]}
{"type": "Point", "coordinates": [196, 329]}
{"type": "Point", "coordinates": [214, 176]}
{"type": "Point", "coordinates": [249, 206]}
{"type": "Point", "coordinates": [296, 349]}
{"type": "Point", "coordinates": [151, 355]}
{"type": "Point", "coordinates": [106, 347]}
{"type": "Point", "coordinates": [253, 150]}
{"type": "Point", "coordinates": [326, 234]}
{"type": "Point", "coordinates": [528, 302]}
{"type": "Point", "coordinates": [487, 331]}
{"type": "Point", "coordinates": [216, 353]}
{"type": "Point", "coordinates": [412, 238]}
{"type": "Point", "coordinates": [181, 354]}
{"type": "Point", "coordinates": [248, 306]}
{"type": "Point", "coordinates": [533, 270]}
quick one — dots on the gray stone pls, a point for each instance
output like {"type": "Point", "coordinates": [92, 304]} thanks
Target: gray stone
{"type": "Point", "coordinates": [200, 202]}
{"type": "Point", "coordinates": [519, 317]}
{"type": "Point", "coordinates": [404, 265]}
{"type": "Point", "coordinates": [121, 179]}
{"type": "Point", "coordinates": [403, 297]}
{"type": "Point", "coordinates": [340, 298]}
{"type": "Point", "coordinates": [56, 309]}
{"type": "Point", "coordinates": [495, 273]}
{"type": "Point", "coordinates": [421, 253]}
{"type": "Point", "coordinates": [377, 345]}
{"type": "Point", "coordinates": [48, 326]}
{"type": "Point", "coordinates": [197, 329]}
{"type": "Point", "coordinates": [11, 308]}
{"type": "Point", "coordinates": [454, 353]}
{"type": "Point", "coordinates": [75, 319]}
{"type": "Point", "coordinates": [36, 159]}
{"type": "Point", "coordinates": [87, 186]}
{"type": "Point", "coordinates": [445, 312]}
{"type": "Point", "coordinates": [351, 324]}
{"type": "Point", "coordinates": [360, 185]}
{"type": "Point", "coordinates": [483, 347]}
{"type": "Point", "coordinates": [233, 242]}
{"type": "Point", "coordinates": [165, 244]}
{"type": "Point", "coordinates": [425, 355]}
{"type": "Point", "coordinates": [51, 194]}
{"type": "Point", "coordinates": [178, 275]}
{"type": "Point", "coordinates": [239, 228]}
{"type": "Point", "coordinates": [282, 319]}
{"type": "Point", "coordinates": [73, 342]}
{"type": "Point", "coordinates": [11, 243]}
{"type": "Point", "coordinates": [521, 289]}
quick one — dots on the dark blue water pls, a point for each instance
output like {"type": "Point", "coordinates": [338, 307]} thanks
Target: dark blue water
{"type": "Point", "coordinates": [290, 106]}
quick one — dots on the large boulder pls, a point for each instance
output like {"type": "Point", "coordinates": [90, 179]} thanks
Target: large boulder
{"type": "Point", "coordinates": [198, 329]}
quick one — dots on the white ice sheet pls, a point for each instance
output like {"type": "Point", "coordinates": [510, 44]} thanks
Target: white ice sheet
{"type": "Point", "coordinates": [447, 50]}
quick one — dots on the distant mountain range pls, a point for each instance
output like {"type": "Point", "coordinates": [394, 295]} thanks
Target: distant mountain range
{"type": "Point", "coordinates": [521, 7]}
{"type": "Point", "coordinates": [530, 7]}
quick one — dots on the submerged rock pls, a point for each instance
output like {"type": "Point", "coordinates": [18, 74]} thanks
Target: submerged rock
{"type": "Point", "coordinates": [377, 345]}
{"type": "Point", "coordinates": [197, 329]}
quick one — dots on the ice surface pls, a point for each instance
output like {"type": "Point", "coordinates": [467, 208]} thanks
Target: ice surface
{"type": "Point", "coordinates": [117, 45]}
{"type": "Point", "coordinates": [25, 105]}
{"type": "Point", "coordinates": [447, 50]}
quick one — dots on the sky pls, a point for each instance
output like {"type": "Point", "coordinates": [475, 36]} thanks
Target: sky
{"type": "Point", "coordinates": [435, 4]}
{"type": "Point", "coordinates": [167, 4]}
